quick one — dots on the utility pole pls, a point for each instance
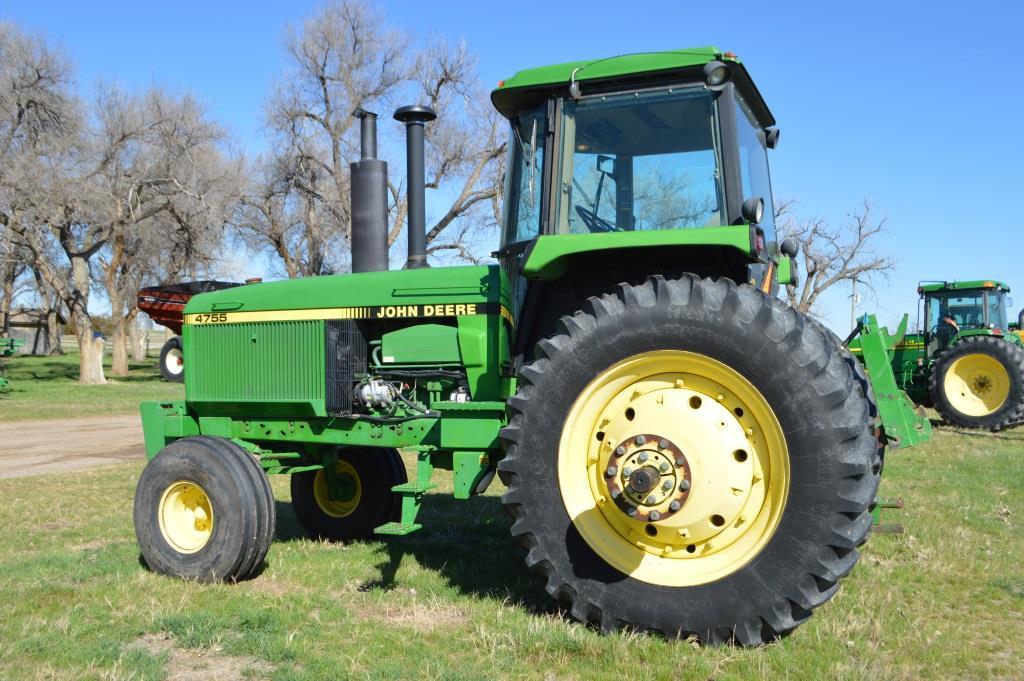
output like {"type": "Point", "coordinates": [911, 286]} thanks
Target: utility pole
{"type": "Point", "coordinates": [854, 299]}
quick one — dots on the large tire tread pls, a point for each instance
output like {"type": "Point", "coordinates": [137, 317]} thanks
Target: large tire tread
{"type": "Point", "coordinates": [851, 427]}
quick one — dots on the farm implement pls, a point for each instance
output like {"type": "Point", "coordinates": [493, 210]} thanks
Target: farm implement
{"type": "Point", "coordinates": [165, 305]}
{"type": "Point", "coordinates": [682, 451]}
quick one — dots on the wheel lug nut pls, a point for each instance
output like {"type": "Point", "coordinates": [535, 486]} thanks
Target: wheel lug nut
{"type": "Point", "coordinates": [654, 515]}
{"type": "Point", "coordinates": [616, 492]}
{"type": "Point", "coordinates": [667, 485]}
{"type": "Point", "coordinates": [680, 462]}
{"type": "Point", "coordinates": [650, 500]}
{"type": "Point", "coordinates": [627, 471]}
{"type": "Point", "coordinates": [663, 467]}
{"type": "Point", "coordinates": [640, 439]}
{"type": "Point", "coordinates": [642, 457]}
{"type": "Point", "coordinates": [675, 505]}
{"type": "Point", "coordinates": [684, 485]}
{"type": "Point", "coordinates": [662, 444]}
{"type": "Point", "coordinates": [612, 470]}
{"type": "Point", "coordinates": [620, 450]}
{"type": "Point", "coordinates": [631, 510]}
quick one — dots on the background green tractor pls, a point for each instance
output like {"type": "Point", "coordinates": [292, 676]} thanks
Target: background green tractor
{"type": "Point", "coordinates": [966, 361]}
{"type": "Point", "coordinates": [683, 452]}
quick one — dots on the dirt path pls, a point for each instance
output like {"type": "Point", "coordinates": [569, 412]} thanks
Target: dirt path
{"type": "Point", "coordinates": [57, 445]}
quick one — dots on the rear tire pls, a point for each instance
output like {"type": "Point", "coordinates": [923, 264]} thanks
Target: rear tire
{"type": "Point", "coordinates": [172, 361]}
{"type": "Point", "coordinates": [748, 361]}
{"type": "Point", "coordinates": [979, 383]}
{"type": "Point", "coordinates": [373, 471]}
{"type": "Point", "coordinates": [204, 510]}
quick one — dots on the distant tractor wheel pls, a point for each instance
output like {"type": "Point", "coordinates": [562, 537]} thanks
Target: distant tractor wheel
{"type": "Point", "coordinates": [172, 361]}
{"type": "Point", "coordinates": [691, 457]}
{"type": "Point", "coordinates": [979, 383]}
{"type": "Point", "coordinates": [204, 511]}
{"type": "Point", "coordinates": [360, 500]}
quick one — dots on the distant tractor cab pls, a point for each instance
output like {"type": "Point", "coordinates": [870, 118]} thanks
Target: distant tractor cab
{"type": "Point", "coordinates": [967, 361]}
{"type": "Point", "coordinates": [682, 451]}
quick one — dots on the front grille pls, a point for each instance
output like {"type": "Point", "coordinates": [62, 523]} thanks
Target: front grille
{"type": "Point", "coordinates": [346, 363]}
{"type": "Point", "coordinates": [269, 363]}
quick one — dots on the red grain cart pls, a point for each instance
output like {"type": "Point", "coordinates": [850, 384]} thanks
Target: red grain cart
{"type": "Point", "coordinates": [165, 306]}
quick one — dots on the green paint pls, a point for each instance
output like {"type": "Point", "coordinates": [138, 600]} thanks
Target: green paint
{"type": "Point", "coordinates": [786, 273]}
{"type": "Point", "coordinates": [421, 344]}
{"type": "Point", "coordinates": [988, 284]}
{"type": "Point", "coordinates": [547, 259]}
{"type": "Point", "coordinates": [902, 424]}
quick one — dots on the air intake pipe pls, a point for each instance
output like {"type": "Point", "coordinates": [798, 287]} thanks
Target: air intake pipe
{"type": "Point", "coordinates": [369, 187]}
{"type": "Point", "coordinates": [414, 118]}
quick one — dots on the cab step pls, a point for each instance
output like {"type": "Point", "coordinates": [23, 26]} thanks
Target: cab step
{"type": "Point", "coordinates": [414, 487]}
{"type": "Point", "coordinates": [397, 529]}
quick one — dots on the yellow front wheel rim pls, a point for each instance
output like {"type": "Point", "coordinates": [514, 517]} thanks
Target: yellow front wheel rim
{"type": "Point", "coordinates": [673, 468]}
{"type": "Point", "coordinates": [977, 384]}
{"type": "Point", "coordinates": [338, 508]}
{"type": "Point", "coordinates": [186, 516]}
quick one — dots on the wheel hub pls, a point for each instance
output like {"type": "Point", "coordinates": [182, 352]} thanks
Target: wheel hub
{"type": "Point", "coordinates": [648, 475]}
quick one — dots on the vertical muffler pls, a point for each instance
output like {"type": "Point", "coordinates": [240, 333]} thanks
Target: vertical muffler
{"type": "Point", "coordinates": [369, 196]}
{"type": "Point", "coordinates": [415, 117]}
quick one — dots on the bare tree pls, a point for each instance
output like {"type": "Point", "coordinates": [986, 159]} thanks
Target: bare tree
{"type": "Point", "coordinates": [159, 159]}
{"type": "Point", "coordinates": [344, 57]}
{"type": "Point", "coordinates": [830, 254]}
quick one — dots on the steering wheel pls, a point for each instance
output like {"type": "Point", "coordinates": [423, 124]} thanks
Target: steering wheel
{"type": "Point", "coordinates": [594, 222]}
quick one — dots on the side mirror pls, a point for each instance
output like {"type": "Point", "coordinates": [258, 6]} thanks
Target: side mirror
{"type": "Point", "coordinates": [771, 137]}
{"type": "Point", "coordinates": [605, 164]}
{"type": "Point", "coordinates": [790, 247]}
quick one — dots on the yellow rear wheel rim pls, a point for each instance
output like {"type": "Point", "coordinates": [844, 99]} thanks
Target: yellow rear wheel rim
{"type": "Point", "coordinates": [673, 468]}
{"type": "Point", "coordinates": [337, 508]}
{"type": "Point", "coordinates": [186, 516]}
{"type": "Point", "coordinates": [977, 384]}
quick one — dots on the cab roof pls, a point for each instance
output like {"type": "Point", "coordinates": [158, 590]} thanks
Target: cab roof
{"type": "Point", "coordinates": [628, 69]}
{"type": "Point", "coordinates": [932, 287]}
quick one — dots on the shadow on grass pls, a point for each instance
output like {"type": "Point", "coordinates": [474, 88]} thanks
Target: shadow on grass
{"type": "Point", "coordinates": [466, 542]}
{"type": "Point", "coordinates": [65, 368]}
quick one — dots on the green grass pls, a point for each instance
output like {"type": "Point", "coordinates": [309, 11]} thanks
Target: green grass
{"type": "Point", "coordinates": [47, 387]}
{"type": "Point", "coordinates": [943, 601]}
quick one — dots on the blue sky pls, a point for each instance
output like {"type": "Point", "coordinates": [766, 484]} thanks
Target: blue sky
{"type": "Point", "coordinates": [913, 105]}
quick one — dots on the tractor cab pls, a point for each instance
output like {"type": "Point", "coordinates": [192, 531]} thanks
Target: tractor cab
{"type": "Point", "coordinates": [953, 309]}
{"type": "Point", "coordinates": [663, 154]}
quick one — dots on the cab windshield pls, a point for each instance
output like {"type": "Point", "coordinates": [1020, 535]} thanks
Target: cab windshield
{"type": "Point", "coordinates": [641, 160]}
{"type": "Point", "coordinates": [970, 310]}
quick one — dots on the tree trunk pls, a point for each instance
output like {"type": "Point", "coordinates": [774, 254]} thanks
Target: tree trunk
{"type": "Point", "coordinates": [8, 273]}
{"type": "Point", "coordinates": [137, 340]}
{"type": "Point", "coordinates": [90, 363]}
{"type": "Point", "coordinates": [53, 330]}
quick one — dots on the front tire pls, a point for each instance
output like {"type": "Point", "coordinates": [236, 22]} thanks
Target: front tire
{"type": "Point", "coordinates": [979, 383]}
{"type": "Point", "coordinates": [754, 417]}
{"type": "Point", "coordinates": [204, 510]}
{"type": "Point", "coordinates": [366, 501]}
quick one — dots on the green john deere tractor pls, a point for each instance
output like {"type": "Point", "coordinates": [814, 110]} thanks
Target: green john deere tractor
{"type": "Point", "coordinates": [968, 359]}
{"type": "Point", "coordinates": [682, 451]}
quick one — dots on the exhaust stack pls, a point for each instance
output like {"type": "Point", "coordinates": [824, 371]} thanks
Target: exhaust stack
{"type": "Point", "coordinates": [414, 118]}
{"type": "Point", "coordinates": [368, 191]}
